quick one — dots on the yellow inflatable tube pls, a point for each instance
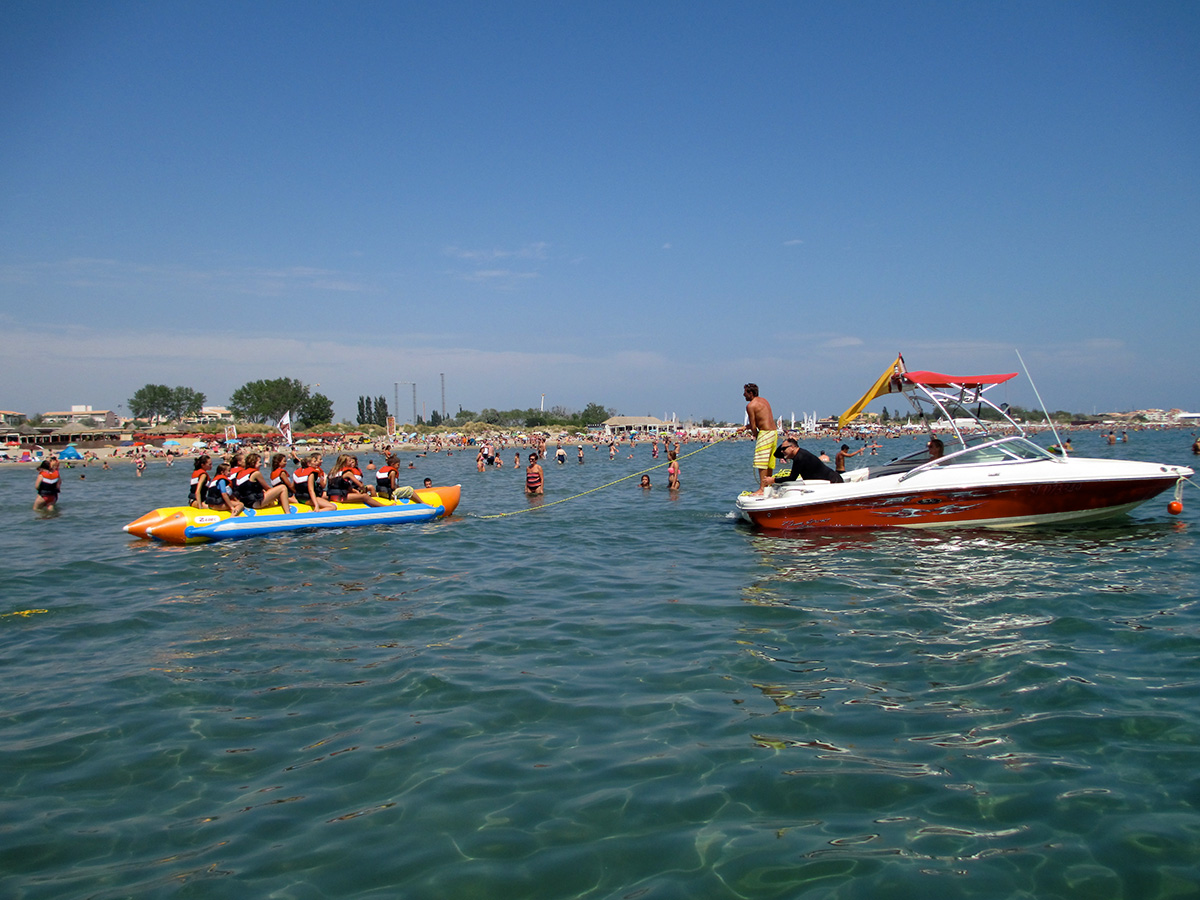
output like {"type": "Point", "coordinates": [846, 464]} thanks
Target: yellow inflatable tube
{"type": "Point", "coordinates": [186, 525]}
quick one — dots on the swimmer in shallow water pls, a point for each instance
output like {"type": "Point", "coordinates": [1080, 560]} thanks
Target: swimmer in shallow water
{"type": "Point", "coordinates": [47, 484]}
{"type": "Point", "coordinates": [535, 479]}
{"type": "Point", "coordinates": [673, 470]}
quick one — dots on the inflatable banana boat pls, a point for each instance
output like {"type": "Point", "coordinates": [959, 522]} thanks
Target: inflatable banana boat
{"type": "Point", "coordinates": [185, 525]}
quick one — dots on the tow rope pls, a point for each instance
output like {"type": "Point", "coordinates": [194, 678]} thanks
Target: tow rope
{"type": "Point", "coordinates": [593, 490]}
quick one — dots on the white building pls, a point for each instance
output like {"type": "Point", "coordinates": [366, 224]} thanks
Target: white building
{"type": "Point", "coordinates": [82, 415]}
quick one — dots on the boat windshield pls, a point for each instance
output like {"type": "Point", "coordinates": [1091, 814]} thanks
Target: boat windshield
{"type": "Point", "coordinates": [1009, 449]}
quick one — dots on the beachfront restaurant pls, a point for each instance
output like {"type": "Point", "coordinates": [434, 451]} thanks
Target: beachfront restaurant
{"type": "Point", "coordinates": [48, 436]}
{"type": "Point", "coordinates": [630, 425]}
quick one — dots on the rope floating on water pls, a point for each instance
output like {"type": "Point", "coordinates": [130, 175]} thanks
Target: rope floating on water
{"type": "Point", "coordinates": [593, 490]}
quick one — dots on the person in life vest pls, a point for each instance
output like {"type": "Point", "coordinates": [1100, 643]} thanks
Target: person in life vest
{"type": "Point", "coordinates": [253, 489]}
{"type": "Point", "coordinates": [345, 483]}
{"type": "Point", "coordinates": [235, 467]}
{"type": "Point", "coordinates": [279, 473]}
{"type": "Point", "coordinates": [385, 477]}
{"type": "Point", "coordinates": [218, 491]}
{"type": "Point", "coordinates": [199, 480]}
{"type": "Point", "coordinates": [47, 483]}
{"type": "Point", "coordinates": [308, 482]}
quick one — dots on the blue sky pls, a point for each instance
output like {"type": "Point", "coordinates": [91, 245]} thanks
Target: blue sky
{"type": "Point", "coordinates": [643, 205]}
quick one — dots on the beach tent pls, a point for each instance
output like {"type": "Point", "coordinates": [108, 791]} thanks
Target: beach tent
{"type": "Point", "coordinates": [69, 452]}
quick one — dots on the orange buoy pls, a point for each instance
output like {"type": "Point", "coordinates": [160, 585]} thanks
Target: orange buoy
{"type": "Point", "coordinates": [1175, 507]}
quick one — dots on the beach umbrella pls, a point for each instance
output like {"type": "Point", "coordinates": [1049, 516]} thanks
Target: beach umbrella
{"type": "Point", "coordinates": [170, 443]}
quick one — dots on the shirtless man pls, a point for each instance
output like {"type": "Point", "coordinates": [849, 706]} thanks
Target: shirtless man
{"type": "Point", "coordinates": [762, 428]}
{"type": "Point", "coordinates": [844, 454]}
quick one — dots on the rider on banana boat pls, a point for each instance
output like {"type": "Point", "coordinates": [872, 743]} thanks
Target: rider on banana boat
{"type": "Point", "coordinates": [218, 491]}
{"type": "Point", "coordinates": [385, 477]}
{"type": "Point", "coordinates": [199, 481]}
{"type": "Point", "coordinates": [345, 483]}
{"type": "Point", "coordinates": [309, 483]}
{"type": "Point", "coordinates": [255, 491]}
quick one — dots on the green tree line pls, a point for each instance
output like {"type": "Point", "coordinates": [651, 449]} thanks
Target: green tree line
{"type": "Point", "coordinates": [256, 401]}
{"type": "Point", "coordinates": [592, 414]}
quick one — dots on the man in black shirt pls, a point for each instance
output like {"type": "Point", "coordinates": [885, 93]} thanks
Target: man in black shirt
{"type": "Point", "coordinates": [804, 465]}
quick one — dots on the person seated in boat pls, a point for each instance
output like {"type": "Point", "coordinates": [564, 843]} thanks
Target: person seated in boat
{"type": "Point", "coordinates": [936, 448]}
{"type": "Point", "coordinates": [357, 472]}
{"type": "Point", "coordinates": [199, 481]}
{"type": "Point", "coordinates": [279, 473]}
{"type": "Point", "coordinates": [236, 462]}
{"type": "Point", "coordinates": [386, 475]}
{"type": "Point", "coordinates": [253, 489]}
{"type": "Point", "coordinates": [345, 483]}
{"type": "Point", "coordinates": [308, 482]}
{"type": "Point", "coordinates": [218, 491]}
{"type": "Point", "coordinates": [805, 465]}
{"type": "Point", "coordinates": [535, 480]}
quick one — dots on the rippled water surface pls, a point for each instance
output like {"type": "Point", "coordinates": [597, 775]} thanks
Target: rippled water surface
{"type": "Point", "coordinates": [624, 695]}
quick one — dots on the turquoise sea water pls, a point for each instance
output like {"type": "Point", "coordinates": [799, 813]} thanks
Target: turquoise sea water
{"type": "Point", "coordinates": [624, 695]}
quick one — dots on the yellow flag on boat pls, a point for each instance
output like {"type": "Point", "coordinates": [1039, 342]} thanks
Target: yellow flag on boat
{"type": "Point", "coordinates": [878, 389]}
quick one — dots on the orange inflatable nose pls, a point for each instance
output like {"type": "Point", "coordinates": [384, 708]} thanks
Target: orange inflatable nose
{"type": "Point", "coordinates": [173, 529]}
{"type": "Point", "coordinates": [141, 527]}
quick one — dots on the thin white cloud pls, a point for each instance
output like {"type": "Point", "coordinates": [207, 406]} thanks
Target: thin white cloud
{"type": "Point", "coordinates": [504, 279]}
{"type": "Point", "coordinates": [535, 250]}
{"type": "Point", "coordinates": [131, 277]}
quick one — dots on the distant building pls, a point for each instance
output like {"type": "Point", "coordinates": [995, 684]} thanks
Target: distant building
{"type": "Point", "coordinates": [82, 415]}
{"type": "Point", "coordinates": [8, 417]}
{"type": "Point", "coordinates": [210, 414]}
{"type": "Point", "coordinates": [630, 424]}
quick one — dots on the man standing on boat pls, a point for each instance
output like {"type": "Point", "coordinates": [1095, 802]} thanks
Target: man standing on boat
{"type": "Point", "coordinates": [761, 425]}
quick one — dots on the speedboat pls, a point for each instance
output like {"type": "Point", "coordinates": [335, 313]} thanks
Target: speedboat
{"type": "Point", "coordinates": [989, 475]}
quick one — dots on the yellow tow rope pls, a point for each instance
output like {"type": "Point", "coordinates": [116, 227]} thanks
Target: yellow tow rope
{"type": "Point", "coordinates": [601, 487]}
